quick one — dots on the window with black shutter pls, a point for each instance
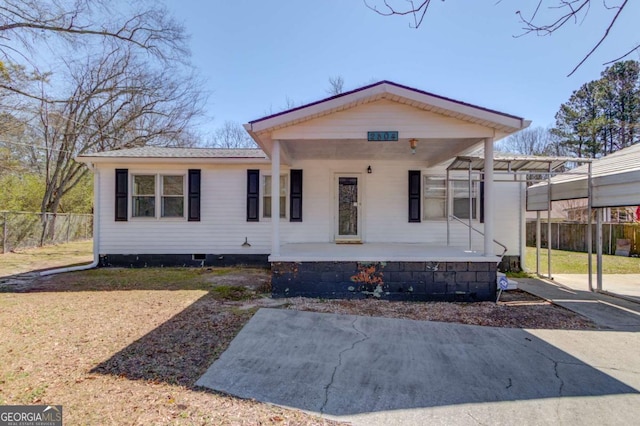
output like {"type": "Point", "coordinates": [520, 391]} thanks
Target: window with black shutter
{"type": "Point", "coordinates": [122, 195]}
{"type": "Point", "coordinates": [414, 195]}
{"type": "Point", "coordinates": [194, 195]}
{"type": "Point", "coordinates": [253, 195]}
{"type": "Point", "coordinates": [295, 196]}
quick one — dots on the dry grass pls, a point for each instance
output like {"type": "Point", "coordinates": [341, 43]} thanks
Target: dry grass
{"type": "Point", "coordinates": [125, 346]}
{"type": "Point", "coordinates": [26, 260]}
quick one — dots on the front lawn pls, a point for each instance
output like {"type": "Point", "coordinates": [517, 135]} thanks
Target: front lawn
{"type": "Point", "coordinates": [54, 256]}
{"type": "Point", "coordinates": [570, 262]}
{"type": "Point", "coordinates": [125, 346]}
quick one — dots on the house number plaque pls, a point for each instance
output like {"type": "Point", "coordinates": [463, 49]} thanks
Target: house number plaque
{"type": "Point", "coordinates": [386, 136]}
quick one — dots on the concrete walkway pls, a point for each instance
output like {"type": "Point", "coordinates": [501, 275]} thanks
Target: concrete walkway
{"type": "Point", "coordinates": [606, 311]}
{"type": "Point", "coordinates": [627, 285]}
{"type": "Point", "coordinates": [384, 371]}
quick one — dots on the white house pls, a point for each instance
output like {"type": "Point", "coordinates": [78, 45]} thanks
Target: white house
{"type": "Point", "coordinates": [373, 197]}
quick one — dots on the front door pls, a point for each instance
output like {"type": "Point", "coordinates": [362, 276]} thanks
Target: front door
{"type": "Point", "coordinates": [348, 215]}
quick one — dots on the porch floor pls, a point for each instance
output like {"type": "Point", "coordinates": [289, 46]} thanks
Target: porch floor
{"type": "Point", "coordinates": [376, 252]}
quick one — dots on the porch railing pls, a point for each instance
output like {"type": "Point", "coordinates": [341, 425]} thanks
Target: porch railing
{"type": "Point", "coordinates": [504, 248]}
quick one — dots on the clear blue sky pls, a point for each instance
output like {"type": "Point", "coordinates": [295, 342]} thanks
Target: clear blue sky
{"type": "Point", "coordinates": [257, 54]}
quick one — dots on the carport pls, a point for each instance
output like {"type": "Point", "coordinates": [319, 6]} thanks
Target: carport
{"type": "Point", "coordinates": [611, 181]}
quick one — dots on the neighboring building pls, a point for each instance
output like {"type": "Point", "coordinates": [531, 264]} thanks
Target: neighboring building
{"type": "Point", "coordinates": [579, 213]}
{"type": "Point", "coordinates": [365, 181]}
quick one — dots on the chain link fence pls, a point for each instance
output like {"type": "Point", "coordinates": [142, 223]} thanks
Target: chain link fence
{"type": "Point", "coordinates": [29, 229]}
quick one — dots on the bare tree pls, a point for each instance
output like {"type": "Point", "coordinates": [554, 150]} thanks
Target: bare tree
{"type": "Point", "coordinates": [289, 104]}
{"type": "Point", "coordinates": [564, 12]}
{"type": "Point", "coordinates": [530, 141]}
{"type": "Point", "coordinates": [336, 85]}
{"type": "Point", "coordinates": [230, 135]}
{"type": "Point", "coordinates": [572, 210]}
{"type": "Point", "coordinates": [29, 25]}
{"type": "Point", "coordinates": [15, 153]}
{"type": "Point", "coordinates": [121, 79]}
{"type": "Point", "coordinates": [115, 101]}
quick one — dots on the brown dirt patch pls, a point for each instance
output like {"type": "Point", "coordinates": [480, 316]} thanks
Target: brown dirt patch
{"type": "Point", "coordinates": [516, 309]}
{"type": "Point", "coordinates": [125, 346]}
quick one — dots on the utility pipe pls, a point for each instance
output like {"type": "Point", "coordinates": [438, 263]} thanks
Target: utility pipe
{"type": "Point", "coordinates": [96, 232]}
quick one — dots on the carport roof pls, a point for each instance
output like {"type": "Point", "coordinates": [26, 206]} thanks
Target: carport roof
{"type": "Point", "coordinates": [614, 182]}
{"type": "Point", "coordinates": [623, 161]}
{"type": "Point", "coordinates": [508, 163]}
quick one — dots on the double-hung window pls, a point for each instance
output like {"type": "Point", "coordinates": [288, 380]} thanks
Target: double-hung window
{"type": "Point", "coordinates": [435, 198]}
{"type": "Point", "coordinates": [144, 196]}
{"type": "Point", "coordinates": [461, 199]}
{"type": "Point", "coordinates": [149, 191]}
{"type": "Point", "coordinates": [266, 196]}
{"type": "Point", "coordinates": [172, 196]}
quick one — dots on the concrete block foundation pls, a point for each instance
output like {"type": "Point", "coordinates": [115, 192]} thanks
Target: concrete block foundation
{"type": "Point", "coordinates": [420, 281]}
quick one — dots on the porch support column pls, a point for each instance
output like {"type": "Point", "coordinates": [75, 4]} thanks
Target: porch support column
{"type": "Point", "coordinates": [488, 197]}
{"type": "Point", "coordinates": [275, 198]}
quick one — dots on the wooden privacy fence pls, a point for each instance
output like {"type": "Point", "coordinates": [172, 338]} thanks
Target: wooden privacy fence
{"type": "Point", "coordinates": [573, 236]}
{"type": "Point", "coordinates": [29, 229]}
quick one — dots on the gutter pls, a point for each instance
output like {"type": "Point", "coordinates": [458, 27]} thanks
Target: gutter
{"type": "Point", "coordinates": [96, 232]}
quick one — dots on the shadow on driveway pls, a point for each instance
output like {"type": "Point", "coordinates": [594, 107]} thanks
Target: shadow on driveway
{"type": "Point", "coordinates": [346, 365]}
{"type": "Point", "coordinates": [181, 349]}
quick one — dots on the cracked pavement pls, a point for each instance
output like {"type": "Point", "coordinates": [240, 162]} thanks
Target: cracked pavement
{"type": "Point", "coordinates": [333, 375]}
{"type": "Point", "coordinates": [369, 370]}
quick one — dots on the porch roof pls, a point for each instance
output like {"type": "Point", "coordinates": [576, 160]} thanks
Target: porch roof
{"type": "Point", "coordinates": [454, 128]}
{"type": "Point", "coordinates": [400, 93]}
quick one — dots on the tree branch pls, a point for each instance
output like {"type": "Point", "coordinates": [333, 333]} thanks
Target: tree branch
{"type": "Point", "coordinates": [570, 10]}
{"type": "Point", "coordinates": [604, 36]}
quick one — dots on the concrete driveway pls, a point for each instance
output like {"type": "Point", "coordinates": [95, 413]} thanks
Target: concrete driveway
{"type": "Point", "coordinates": [623, 284]}
{"type": "Point", "coordinates": [388, 371]}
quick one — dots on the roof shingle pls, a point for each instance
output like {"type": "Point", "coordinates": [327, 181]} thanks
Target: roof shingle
{"type": "Point", "coordinates": [169, 152]}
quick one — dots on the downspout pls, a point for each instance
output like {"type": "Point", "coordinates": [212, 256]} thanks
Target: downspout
{"type": "Point", "coordinates": [96, 232]}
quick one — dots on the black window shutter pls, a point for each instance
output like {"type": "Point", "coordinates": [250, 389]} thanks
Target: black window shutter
{"type": "Point", "coordinates": [253, 195]}
{"type": "Point", "coordinates": [122, 194]}
{"type": "Point", "coordinates": [194, 195]}
{"type": "Point", "coordinates": [414, 195]}
{"type": "Point", "coordinates": [295, 196]}
{"type": "Point", "coordinates": [482, 202]}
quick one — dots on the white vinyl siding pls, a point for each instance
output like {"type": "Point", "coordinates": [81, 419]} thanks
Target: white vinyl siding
{"type": "Point", "coordinates": [353, 123]}
{"type": "Point", "coordinates": [223, 226]}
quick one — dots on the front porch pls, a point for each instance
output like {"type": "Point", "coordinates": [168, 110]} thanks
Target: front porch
{"type": "Point", "coordinates": [377, 252]}
{"type": "Point", "coordinates": [383, 270]}
{"type": "Point", "coordinates": [374, 162]}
